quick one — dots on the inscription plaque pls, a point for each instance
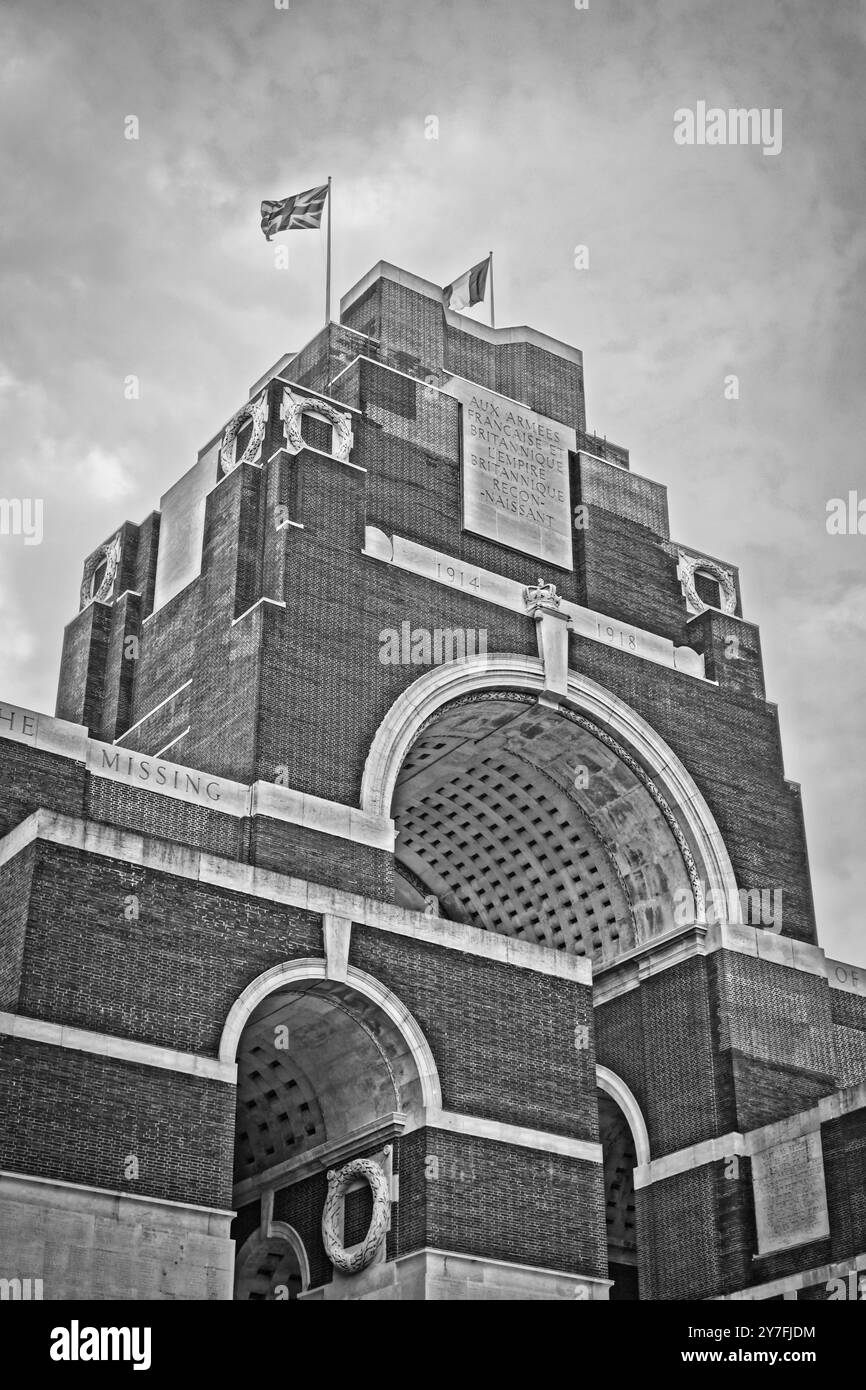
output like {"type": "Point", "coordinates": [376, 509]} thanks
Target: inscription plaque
{"type": "Point", "coordinates": [515, 474]}
{"type": "Point", "coordinates": [790, 1195]}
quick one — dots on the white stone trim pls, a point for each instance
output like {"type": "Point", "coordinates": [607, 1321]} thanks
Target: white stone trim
{"type": "Point", "coordinates": [671, 948]}
{"type": "Point", "coordinates": [119, 1196]}
{"type": "Point", "coordinates": [453, 1274]}
{"type": "Point", "coordinates": [850, 978]}
{"type": "Point", "coordinates": [615, 1087]}
{"type": "Point", "coordinates": [153, 711]}
{"type": "Point", "coordinates": [791, 1283]}
{"type": "Point", "coordinates": [164, 856]}
{"type": "Point", "coordinates": [314, 395]}
{"type": "Point", "coordinates": [684, 1160]}
{"type": "Point", "coordinates": [313, 812]}
{"type": "Point", "coordinates": [505, 1264]}
{"type": "Point", "coordinates": [299, 971]}
{"type": "Point", "coordinates": [122, 1049]}
{"type": "Point", "coordinates": [43, 731]}
{"type": "Point", "coordinates": [479, 1127]}
{"type": "Point", "coordinates": [495, 588]}
{"type": "Point", "coordinates": [172, 741]}
{"type": "Point", "coordinates": [386, 367]}
{"type": "Point", "coordinates": [141, 770]}
{"type": "Point", "coordinates": [843, 1102]}
{"type": "Point", "coordinates": [597, 458]}
{"type": "Point", "coordinates": [114, 842]}
{"type": "Point", "coordinates": [337, 933]}
{"type": "Point", "coordinates": [754, 1141]}
{"type": "Point", "coordinates": [275, 602]}
{"type": "Point", "coordinates": [442, 684]}
{"type": "Point", "coordinates": [333, 1151]}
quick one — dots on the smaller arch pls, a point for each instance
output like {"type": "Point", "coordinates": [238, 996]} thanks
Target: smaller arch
{"type": "Point", "coordinates": [288, 1233]}
{"type": "Point", "coordinates": [256, 1247]}
{"type": "Point", "coordinates": [312, 968]}
{"type": "Point", "coordinates": [615, 1087]}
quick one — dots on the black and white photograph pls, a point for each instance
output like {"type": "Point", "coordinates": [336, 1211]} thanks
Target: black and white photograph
{"type": "Point", "coordinates": [432, 621]}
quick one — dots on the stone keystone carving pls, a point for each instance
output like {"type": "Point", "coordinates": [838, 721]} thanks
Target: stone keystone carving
{"type": "Point", "coordinates": [293, 407]}
{"type": "Point", "coordinates": [541, 595]}
{"type": "Point", "coordinates": [257, 411]}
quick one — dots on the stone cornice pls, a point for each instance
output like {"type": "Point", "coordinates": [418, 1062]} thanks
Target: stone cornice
{"type": "Point", "coordinates": [182, 861]}
{"type": "Point", "coordinates": [158, 776]}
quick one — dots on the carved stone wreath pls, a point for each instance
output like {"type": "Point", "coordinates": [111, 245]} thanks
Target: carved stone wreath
{"type": "Point", "coordinates": [352, 1262]}
{"type": "Point", "coordinates": [110, 553]}
{"type": "Point", "coordinates": [293, 407]}
{"type": "Point", "coordinates": [257, 411]}
{"type": "Point", "coordinates": [689, 565]}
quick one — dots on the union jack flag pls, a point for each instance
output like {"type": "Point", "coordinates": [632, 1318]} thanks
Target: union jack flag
{"type": "Point", "coordinates": [300, 211]}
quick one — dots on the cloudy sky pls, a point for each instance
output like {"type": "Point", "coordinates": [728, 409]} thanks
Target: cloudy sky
{"type": "Point", "coordinates": [555, 129]}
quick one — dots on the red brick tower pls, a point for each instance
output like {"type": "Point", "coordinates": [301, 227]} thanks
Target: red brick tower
{"type": "Point", "coordinates": [407, 899]}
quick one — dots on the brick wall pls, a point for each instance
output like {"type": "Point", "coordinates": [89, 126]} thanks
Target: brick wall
{"type": "Point", "coordinates": [483, 1021]}
{"type": "Point", "coordinates": [501, 1202]}
{"type": "Point", "coordinates": [77, 1117]}
{"type": "Point", "coordinates": [168, 977]}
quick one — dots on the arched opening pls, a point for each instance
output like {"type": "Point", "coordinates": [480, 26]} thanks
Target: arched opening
{"type": "Point", "coordinates": [544, 742]}
{"type": "Point", "coordinates": [271, 1267]}
{"type": "Point", "coordinates": [535, 823]}
{"type": "Point", "coordinates": [329, 1071]}
{"type": "Point", "coordinates": [618, 1148]}
{"type": "Point", "coordinates": [570, 824]}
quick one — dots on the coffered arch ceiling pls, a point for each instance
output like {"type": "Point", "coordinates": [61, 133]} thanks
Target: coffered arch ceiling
{"type": "Point", "coordinates": [317, 1062]}
{"type": "Point", "coordinates": [532, 822]}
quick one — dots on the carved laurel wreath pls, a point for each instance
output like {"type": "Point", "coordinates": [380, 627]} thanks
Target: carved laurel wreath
{"type": "Point", "coordinates": [293, 407]}
{"type": "Point", "coordinates": [110, 553]}
{"type": "Point", "coordinates": [689, 564]}
{"type": "Point", "coordinates": [257, 411]}
{"type": "Point", "coordinates": [352, 1262]}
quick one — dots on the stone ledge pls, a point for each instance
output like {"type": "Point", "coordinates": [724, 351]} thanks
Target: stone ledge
{"type": "Point", "coordinates": [164, 856]}
{"type": "Point", "coordinates": [121, 1049]}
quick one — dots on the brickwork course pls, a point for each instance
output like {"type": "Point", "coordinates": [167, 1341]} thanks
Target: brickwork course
{"type": "Point", "coordinates": [464, 959]}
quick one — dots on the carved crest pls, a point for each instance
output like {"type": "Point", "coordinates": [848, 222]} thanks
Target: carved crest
{"type": "Point", "coordinates": [293, 407]}
{"type": "Point", "coordinates": [110, 554]}
{"type": "Point", "coordinates": [689, 565]}
{"type": "Point", "coordinates": [257, 411]}
{"type": "Point", "coordinates": [541, 595]}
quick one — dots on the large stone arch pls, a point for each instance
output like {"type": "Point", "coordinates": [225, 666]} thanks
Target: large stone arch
{"type": "Point", "coordinates": [623, 845]}
{"type": "Point", "coordinates": [625, 1098]}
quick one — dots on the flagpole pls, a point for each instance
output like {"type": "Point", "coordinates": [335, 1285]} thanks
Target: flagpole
{"type": "Point", "coordinates": [492, 308]}
{"type": "Point", "coordinates": [328, 270]}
